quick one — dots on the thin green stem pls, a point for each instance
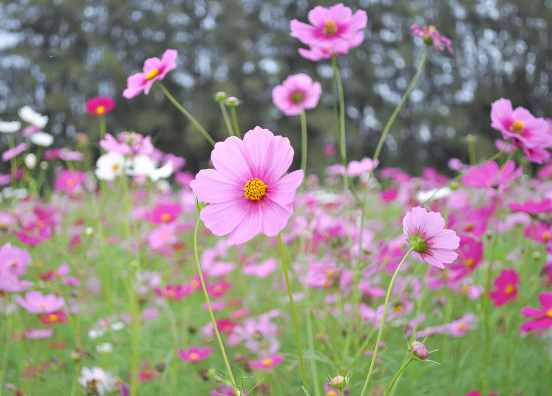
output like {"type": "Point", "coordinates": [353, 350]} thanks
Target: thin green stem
{"type": "Point", "coordinates": [13, 166]}
{"type": "Point", "coordinates": [235, 120]}
{"type": "Point", "coordinates": [303, 143]}
{"type": "Point", "coordinates": [342, 139]}
{"type": "Point", "coordinates": [6, 349]}
{"type": "Point", "coordinates": [186, 113]}
{"type": "Point", "coordinates": [378, 339]}
{"type": "Point", "coordinates": [471, 151]}
{"type": "Point", "coordinates": [102, 132]}
{"type": "Point", "coordinates": [212, 316]}
{"type": "Point", "coordinates": [397, 375]}
{"type": "Point", "coordinates": [292, 304]}
{"type": "Point", "coordinates": [226, 119]}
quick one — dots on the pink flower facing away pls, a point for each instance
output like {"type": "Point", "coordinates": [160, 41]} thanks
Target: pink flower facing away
{"type": "Point", "coordinates": [490, 175]}
{"type": "Point", "coordinates": [506, 287]}
{"type": "Point", "coordinates": [426, 233]}
{"type": "Point", "coordinates": [194, 354]}
{"type": "Point", "coordinates": [267, 363]}
{"type": "Point", "coordinates": [99, 105]}
{"type": "Point", "coordinates": [247, 191]}
{"type": "Point", "coordinates": [69, 180]}
{"type": "Point", "coordinates": [543, 316]}
{"type": "Point", "coordinates": [431, 36]}
{"type": "Point", "coordinates": [533, 208]}
{"type": "Point", "coordinates": [296, 93]}
{"type": "Point", "coordinates": [334, 30]}
{"type": "Point", "coordinates": [154, 69]}
{"type": "Point", "coordinates": [35, 303]}
{"type": "Point", "coordinates": [14, 152]}
{"type": "Point", "coordinates": [128, 143]}
{"type": "Point", "coordinates": [526, 131]}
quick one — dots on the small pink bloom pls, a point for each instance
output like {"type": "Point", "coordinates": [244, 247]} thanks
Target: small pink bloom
{"type": "Point", "coordinates": [543, 316]}
{"type": "Point", "coordinates": [162, 236]}
{"type": "Point", "coordinates": [99, 105]}
{"type": "Point", "coordinates": [532, 207]}
{"type": "Point", "coordinates": [539, 231]}
{"type": "Point", "coordinates": [489, 175]}
{"type": "Point", "coordinates": [459, 327]}
{"type": "Point", "coordinates": [296, 94]}
{"type": "Point", "coordinates": [164, 213]}
{"type": "Point", "coordinates": [35, 303]}
{"type": "Point", "coordinates": [36, 334]}
{"type": "Point", "coordinates": [10, 283]}
{"type": "Point", "coordinates": [53, 318]}
{"type": "Point", "coordinates": [194, 354]}
{"type": "Point", "coordinates": [13, 259]}
{"type": "Point", "coordinates": [247, 191]}
{"type": "Point", "coordinates": [506, 287]}
{"type": "Point", "coordinates": [328, 149]}
{"type": "Point", "coordinates": [431, 36]}
{"type": "Point", "coordinates": [426, 233]}
{"type": "Point", "coordinates": [471, 254]}
{"type": "Point", "coordinates": [261, 270]}
{"type": "Point", "coordinates": [170, 292]}
{"type": "Point", "coordinates": [154, 69]}
{"type": "Point", "coordinates": [218, 289]}
{"type": "Point", "coordinates": [14, 152]}
{"type": "Point", "coordinates": [267, 363]}
{"type": "Point", "coordinates": [69, 180]}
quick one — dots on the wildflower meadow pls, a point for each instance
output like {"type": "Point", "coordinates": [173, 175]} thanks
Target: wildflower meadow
{"type": "Point", "coordinates": [123, 272]}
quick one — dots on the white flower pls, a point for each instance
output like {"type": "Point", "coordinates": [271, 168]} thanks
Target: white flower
{"type": "Point", "coordinates": [32, 117]}
{"type": "Point", "coordinates": [142, 165]}
{"type": "Point", "coordinates": [436, 193]}
{"type": "Point", "coordinates": [106, 347]}
{"type": "Point", "coordinates": [30, 160]}
{"type": "Point", "coordinates": [9, 126]}
{"type": "Point", "coordinates": [42, 139]}
{"type": "Point", "coordinates": [95, 333]}
{"type": "Point", "coordinates": [96, 381]}
{"type": "Point", "coordinates": [117, 326]}
{"type": "Point", "coordinates": [110, 165]}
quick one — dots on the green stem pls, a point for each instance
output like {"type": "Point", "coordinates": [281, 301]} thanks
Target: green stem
{"type": "Point", "coordinates": [212, 316]}
{"type": "Point", "coordinates": [399, 107]}
{"type": "Point", "coordinates": [13, 166]}
{"type": "Point", "coordinates": [102, 131]}
{"type": "Point", "coordinates": [235, 120]}
{"type": "Point", "coordinates": [378, 339]}
{"type": "Point", "coordinates": [342, 140]}
{"type": "Point", "coordinates": [186, 113]}
{"type": "Point", "coordinates": [292, 304]}
{"type": "Point", "coordinates": [304, 144]}
{"type": "Point", "coordinates": [471, 151]}
{"type": "Point", "coordinates": [226, 119]}
{"type": "Point", "coordinates": [396, 377]}
{"type": "Point", "coordinates": [6, 349]}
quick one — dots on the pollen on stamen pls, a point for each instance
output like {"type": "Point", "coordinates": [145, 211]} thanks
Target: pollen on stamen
{"type": "Point", "coordinates": [255, 189]}
{"type": "Point", "coordinates": [509, 289]}
{"type": "Point", "coordinates": [152, 74]}
{"type": "Point", "coordinates": [330, 27]}
{"type": "Point", "coordinates": [517, 126]}
{"type": "Point", "coordinates": [100, 110]}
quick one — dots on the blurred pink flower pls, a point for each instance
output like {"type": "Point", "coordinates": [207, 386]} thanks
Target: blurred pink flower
{"type": "Point", "coordinates": [154, 69]}
{"type": "Point", "coordinates": [36, 303]}
{"type": "Point", "coordinates": [99, 105]}
{"type": "Point", "coordinates": [13, 259]}
{"type": "Point", "coordinates": [296, 94]}
{"type": "Point", "coordinates": [532, 207]}
{"type": "Point", "coordinates": [14, 152]}
{"type": "Point", "coordinates": [247, 191]}
{"type": "Point", "coordinates": [431, 35]}
{"type": "Point", "coordinates": [69, 180]}
{"type": "Point", "coordinates": [490, 175]}
{"type": "Point", "coordinates": [543, 316]}
{"type": "Point", "coordinates": [164, 213]}
{"type": "Point", "coordinates": [35, 334]}
{"type": "Point", "coordinates": [173, 292]}
{"type": "Point", "coordinates": [267, 363]}
{"type": "Point", "coordinates": [194, 354]}
{"type": "Point", "coordinates": [506, 287]}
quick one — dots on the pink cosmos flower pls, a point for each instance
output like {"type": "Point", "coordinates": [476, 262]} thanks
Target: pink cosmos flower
{"type": "Point", "coordinates": [477, 393]}
{"type": "Point", "coordinates": [525, 130]}
{"type": "Point", "coordinates": [13, 259]}
{"type": "Point", "coordinates": [10, 283]}
{"type": "Point", "coordinates": [36, 334]}
{"type": "Point", "coordinates": [489, 175]}
{"type": "Point", "coordinates": [539, 231]}
{"type": "Point", "coordinates": [218, 289]}
{"type": "Point", "coordinates": [471, 254]}
{"type": "Point", "coordinates": [14, 152]}
{"type": "Point", "coordinates": [99, 105]}
{"type": "Point", "coordinates": [247, 191]}
{"type": "Point", "coordinates": [545, 172]}
{"type": "Point", "coordinates": [506, 287]}
{"type": "Point", "coordinates": [154, 69]}
{"type": "Point", "coordinates": [296, 93]}
{"type": "Point", "coordinates": [176, 292]}
{"type": "Point", "coordinates": [267, 363]}
{"type": "Point", "coordinates": [54, 318]}
{"type": "Point", "coordinates": [194, 354]}
{"type": "Point", "coordinates": [164, 213]}
{"type": "Point", "coordinates": [459, 327]}
{"type": "Point", "coordinates": [35, 303]}
{"type": "Point", "coordinates": [128, 143]}
{"type": "Point", "coordinates": [543, 316]}
{"type": "Point", "coordinates": [334, 27]}
{"type": "Point", "coordinates": [69, 180]}
{"type": "Point", "coordinates": [426, 233]}
{"type": "Point", "coordinates": [431, 36]}
{"type": "Point", "coordinates": [532, 207]}
{"type": "Point", "coordinates": [162, 237]}
{"type": "Point", "coordinates": [261, 270]}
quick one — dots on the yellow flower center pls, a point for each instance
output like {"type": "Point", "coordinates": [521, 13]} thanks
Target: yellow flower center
{"type": "Point", "coordinates": [549, 313]}
{"type": "Point", "coordinates": [470, 262]}
{"type": "Point", "coordinates": [194, 356]}
{"type": "Point", "coordinates": [218, 289]}
{"type": "Point", "coordinates": [42, 305]}
{"type": "Point", "coordinates": [115, 167]}
{"type": "Point", "coordinates": [546, 235]}
{"type": "Point", "coordinates": [170, 293]}
{"type": "Point", "coordinates": [70, 183]}
{"type": "Point", "coordinates": [52, 318]}
{"type": "Point", "coordinates": [509, 289]}
{"type": "Point", "coordinates": [465, 289]}
{"type": "Point", "coordinates": [152, 74]}
{"type": "Point", "coordinates": [398, 308]}
{"type": "Point", "coordinates": [330, 27]}
{"type": "Point", "coordinates": [266, 362]}
{"type": "Point", "coordinates": [517, 126]}
{"type": "Point", "coordinates": [165, 217]}
{"type": "Point", "coordinates": [195, 284]}
{"type": "Point", "coordinates": [14, 264]}
{"type": "Point", "coordinates": [469, 227]}
{"type": "Point", "coordinates": [331, 393]}
{"type": "Point", "coordinates": [100, 110]}
{"type": "Point", "coordinates": [463, 326]}
{"type": "Point", "coordinates": [255, 189]}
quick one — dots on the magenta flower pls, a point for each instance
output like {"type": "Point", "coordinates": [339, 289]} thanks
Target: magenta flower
{"type": "Point", "coordinates": [35, 303]}
{"type": "Point", "coordinates": [490, 175]}
{"type": "Point", "coordinates": [99, 105]}
{"type": "Point", "coordinates": [154, 69]}
{"type": "Point", "coordinates": [194, 354]}
{"type": "Point", "coordinates": [533, 208]}
{"type": "Point", "coordinates": [431, 35]}
{"type": "Point", "coordinates": [164, 213]}
{"type": "Point", "coordinates": [297, 93]}
{"type": "Point", "coordinates": [426, 234]}
{"type": "Point", "coordinates": [471, 254]}
{"type": "Point", "coordinates": [539, 231]}
{"type": "Point", "coordinates": [525, 130]}
{"type": "Point", "coordinates": [506, 285]}
{"type": "Point", "coordinates": [267, 363]}
{"type": "Point", "coordinates": [247, 191]}
{"type": "Point", "coordinates": [69, 180]}
{"type": "Point", "coordinates": [176, 292]}
{"type": "Point", "coordinates": [14, 152]}
{"type": "Point", "coordinates": [334, 30]}
{"type": "Point", "coordinates": [543, 316]}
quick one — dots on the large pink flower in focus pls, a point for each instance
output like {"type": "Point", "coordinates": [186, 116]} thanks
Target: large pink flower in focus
{"type": "Point", "coordinates": [543, 316]}
{"type": "Point", "coordinates": [247, 191]}
{"type": "Point", "coordinates": [426, 233]}
{"type": "Point", "coordinates": [154, 69]}
{"type": "Point", "coordinates": [296, 93]}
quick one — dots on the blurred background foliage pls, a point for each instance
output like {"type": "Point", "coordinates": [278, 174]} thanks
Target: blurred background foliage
{"type": "Point", "coordinates": [56, 54]}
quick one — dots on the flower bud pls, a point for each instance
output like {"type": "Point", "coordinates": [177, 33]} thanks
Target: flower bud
{"type": "Point", "coordinates": [419, 350]}
{"type": "Point", "coordinates": [220, 96]}
{"type": "Point", "coordinates": [232, 101]}
{"type": "Point", "coordinates": [338, 382]}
